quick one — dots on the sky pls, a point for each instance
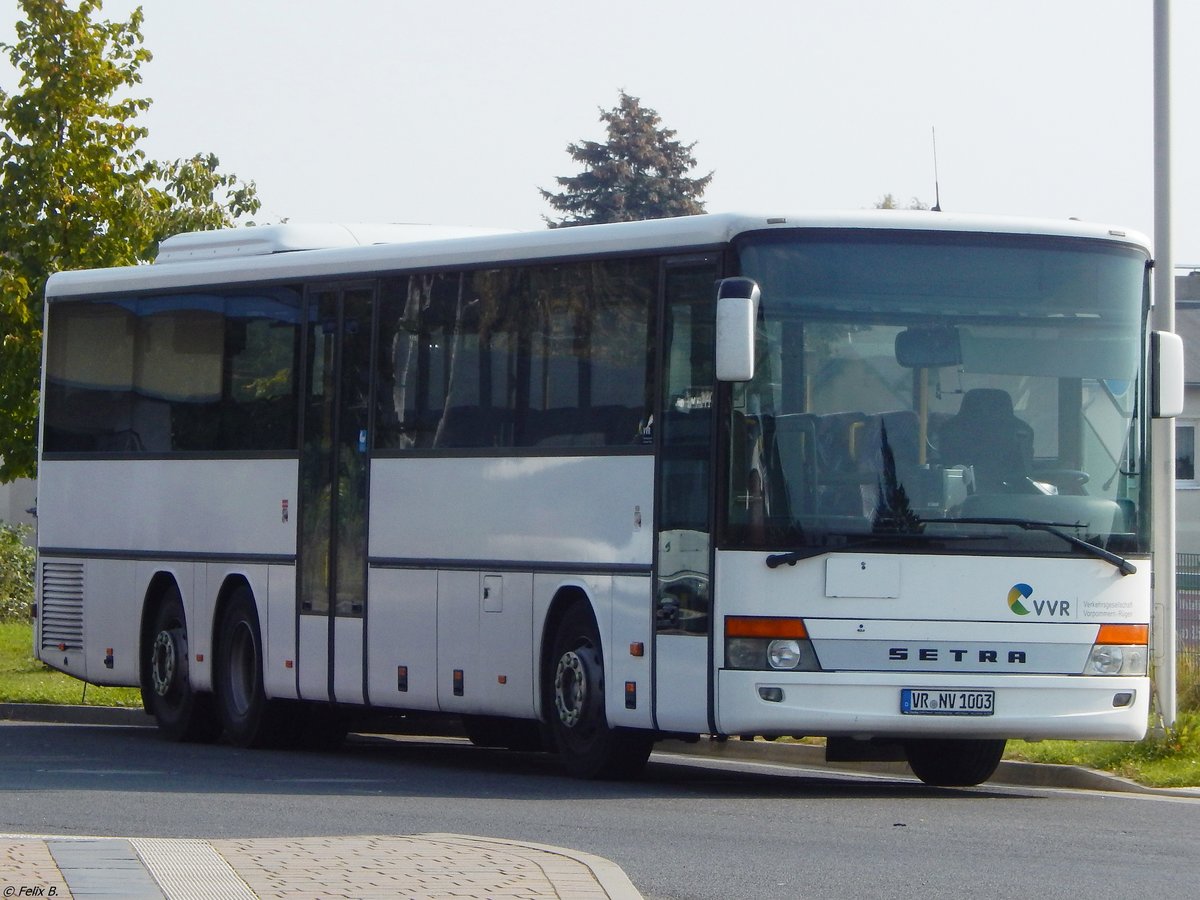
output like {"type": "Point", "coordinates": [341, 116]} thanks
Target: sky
{"type": "Point", "coordinates": [454, 112]}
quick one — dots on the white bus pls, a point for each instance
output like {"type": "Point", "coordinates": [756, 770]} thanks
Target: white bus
{"type": "Point", "coordinates": [881, 477]}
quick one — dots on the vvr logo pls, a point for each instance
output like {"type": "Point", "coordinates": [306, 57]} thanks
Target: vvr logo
{"type": "Point", "coordinates": [1019, 602]}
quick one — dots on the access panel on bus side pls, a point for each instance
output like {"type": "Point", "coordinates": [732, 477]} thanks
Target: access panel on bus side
{"type": "Point", "coordinates": [401, 644]}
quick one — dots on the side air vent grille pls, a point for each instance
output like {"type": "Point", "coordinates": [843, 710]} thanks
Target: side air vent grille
{"type": "Point", "coordinates": [62, 606]}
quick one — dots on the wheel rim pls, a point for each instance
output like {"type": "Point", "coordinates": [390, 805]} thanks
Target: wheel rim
{"type": "Point", "coordinates": [570, 689]}
{"type": "Point", "coordinates": [243, 670]}
{"type": "Point", "coordinates": [164, 662]}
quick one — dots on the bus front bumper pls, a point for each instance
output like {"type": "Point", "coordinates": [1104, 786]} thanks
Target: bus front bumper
{"type": "Point", "coordinates": [870, 705]}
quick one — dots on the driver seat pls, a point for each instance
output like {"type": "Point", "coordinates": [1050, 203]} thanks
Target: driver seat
{"type": "Point", "coordinates": [988, 436]}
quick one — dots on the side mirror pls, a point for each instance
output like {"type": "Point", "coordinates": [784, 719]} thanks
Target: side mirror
{"type": "Point", "coordinates": [737, 314]}
{"type": "Point", "coordinates": [1166, 375]}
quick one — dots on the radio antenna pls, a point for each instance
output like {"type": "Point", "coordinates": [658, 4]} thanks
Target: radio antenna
{"type": "Point", "coordinates": [937, 193]}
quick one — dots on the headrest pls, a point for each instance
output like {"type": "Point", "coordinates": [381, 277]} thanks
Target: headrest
{"type": "Point", "coordinates": [981, 403]}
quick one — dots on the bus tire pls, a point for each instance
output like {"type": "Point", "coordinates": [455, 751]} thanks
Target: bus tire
{"type": "Point", "coordinates": [249, 717]}
{"type": "Point", "coordinates": [182, 714]}
{"type": "Point", "coordinates": [574, 700]}
{"type": "Point", "coordinates": [949, 762]}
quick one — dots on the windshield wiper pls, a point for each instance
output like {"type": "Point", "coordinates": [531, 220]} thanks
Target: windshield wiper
{"type": "Point", "coordinates": [1124, 566]}
{"type": "Point", "coordinates": [862, 539]}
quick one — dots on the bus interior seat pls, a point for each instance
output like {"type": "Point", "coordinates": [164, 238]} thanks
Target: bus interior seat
{"type": "Point", "coordinates": [987, 435]}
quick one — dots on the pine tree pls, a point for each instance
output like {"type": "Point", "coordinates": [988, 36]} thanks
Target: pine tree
{"type": "Point", "coordinates": [641, 172]}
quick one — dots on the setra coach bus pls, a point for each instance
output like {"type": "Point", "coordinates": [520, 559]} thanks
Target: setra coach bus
{"type": "Point", "coordinates": [881, 477]}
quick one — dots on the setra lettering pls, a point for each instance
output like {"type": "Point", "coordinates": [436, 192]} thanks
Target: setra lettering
{"type": "Point", "coordinates": [942, 654]}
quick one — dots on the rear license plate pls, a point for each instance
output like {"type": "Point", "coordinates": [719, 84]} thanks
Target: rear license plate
{"type": "Point", "coordinates": [952, 702]}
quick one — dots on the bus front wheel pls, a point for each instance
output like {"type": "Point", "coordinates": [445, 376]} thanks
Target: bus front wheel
{"type": "Point", "coordinates": [182, 714]}
{"type": "Point", "coordinates": [588, 746]}
{"type": "Point", "coordinates": [948, 762]}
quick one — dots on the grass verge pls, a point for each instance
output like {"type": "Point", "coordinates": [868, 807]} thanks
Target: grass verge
{"type": "Point", "coordinates": [1170, 760]}
{"type": "Point", "coordinates": [24, 679]}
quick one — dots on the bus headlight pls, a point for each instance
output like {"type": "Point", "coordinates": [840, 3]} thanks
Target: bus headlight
{"type": "Point", "coordinates": [784, 654]}
{"type": "Point", "coordinates": [1112, 659]}
{"type": "Point", "coordinates": [768, 643]}
{"type": "Point", "coordinates": [1119, 650]}
{"type": "Point", "coordinates": [743, 653]}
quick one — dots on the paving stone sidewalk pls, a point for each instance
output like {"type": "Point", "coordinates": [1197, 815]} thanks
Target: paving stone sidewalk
{"type": "Point", "coordinates": [373, 866]}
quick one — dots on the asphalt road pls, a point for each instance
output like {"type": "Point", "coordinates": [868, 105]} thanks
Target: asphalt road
{"type": "Point", "coordinates": [691, 829]}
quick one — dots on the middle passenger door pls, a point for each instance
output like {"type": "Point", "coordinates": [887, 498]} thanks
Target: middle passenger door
{"type": "Point", "coordinates": [332, 584]}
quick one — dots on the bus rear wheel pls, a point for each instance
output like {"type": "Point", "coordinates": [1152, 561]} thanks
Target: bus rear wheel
{"type": "Point", "coordinates": [574, 699]}
{"type": "Point", "coordinates": [948, 762]}
{"type": "Point", "coordinates": [249, 717]}
{"type": "Point", "coordinates": [182, 714]}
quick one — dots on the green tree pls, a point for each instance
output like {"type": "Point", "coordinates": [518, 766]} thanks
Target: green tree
{"type": "Point", "coordinates": [76, 189]}
{"type": "Point", "coordinates": [641, 172]}
{"type": "Point", "coordinates": [889, 201]}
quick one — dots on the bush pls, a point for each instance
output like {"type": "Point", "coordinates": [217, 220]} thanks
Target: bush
{"type": "Point", "coordinates": [16, 574]}
{"type": "Point", "coordinates": [1187, 682]}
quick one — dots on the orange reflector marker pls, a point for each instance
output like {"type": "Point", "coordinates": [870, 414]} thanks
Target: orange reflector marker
{"type": "Point", "coordinates": [1123, 634]}
{"type": "Point", "coordinates": [637, 648]}
{"type": "Point", "coordinates": [764, 627]}
{"type": "Point", "coordinates": [288, 664]}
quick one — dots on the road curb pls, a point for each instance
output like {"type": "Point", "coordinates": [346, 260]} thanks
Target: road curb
{"type": "Point", "coordinates": [608, 874]}
{"type": "Point", "coordinates": [1009, 772]}
{"type": "Point", "coordinates": [74, 714]}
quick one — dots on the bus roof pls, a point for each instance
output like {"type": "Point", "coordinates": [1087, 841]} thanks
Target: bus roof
{"type": "Point", "coordinates": [281, 252]}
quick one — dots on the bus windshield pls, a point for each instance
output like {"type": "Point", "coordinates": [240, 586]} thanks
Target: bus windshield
{"type": "Point", "coordinates": [940, 393]}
